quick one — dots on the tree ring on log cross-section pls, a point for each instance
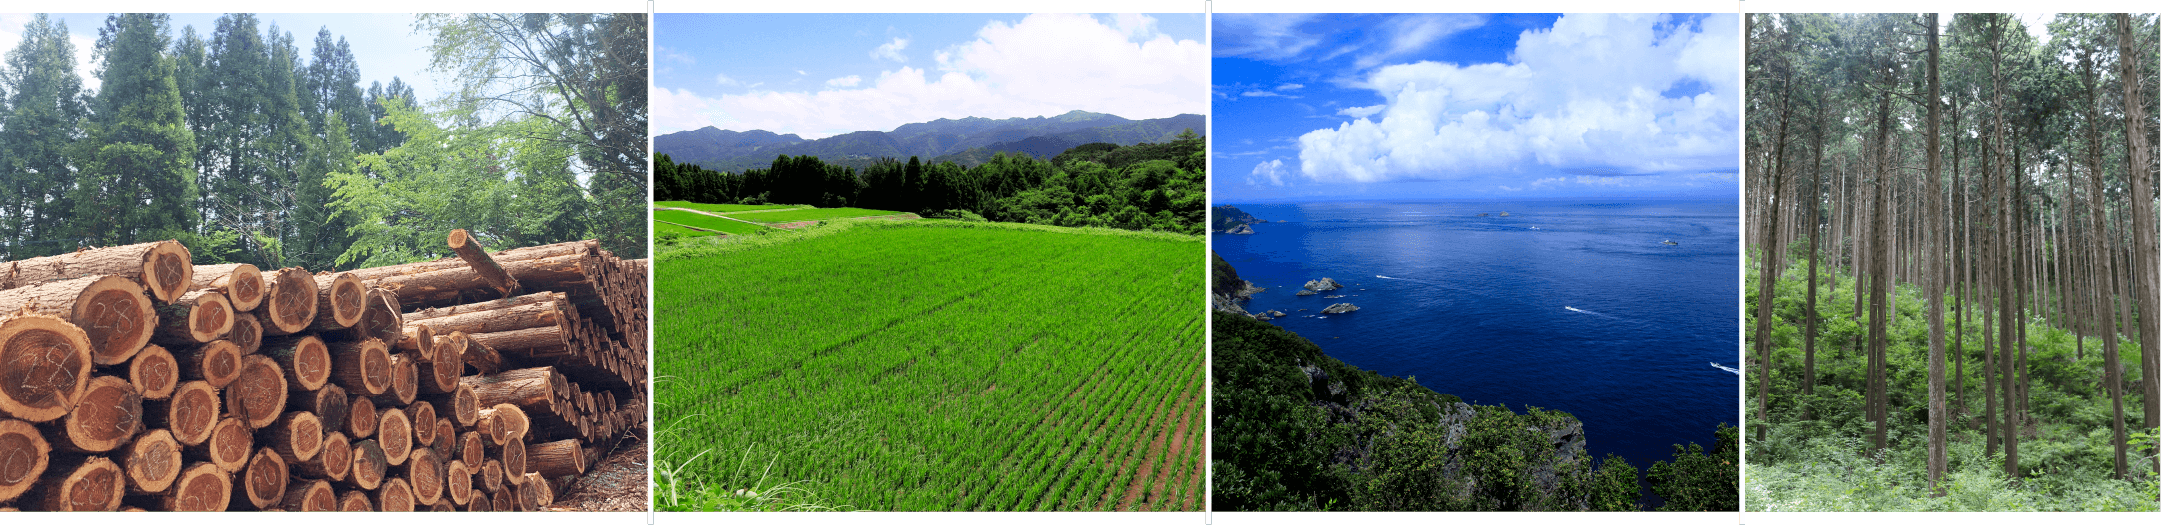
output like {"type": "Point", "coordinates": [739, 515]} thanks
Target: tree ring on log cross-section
{"type": "Point", "coordinates": [193, 412]}
{"type": "Point", "coordinates": [291, 303]}
{"type": "Point", "coordinates": [118, 319]}
{"type": "Point", "coordinates": [258, 396]}
{"type": "Point", "coordinates": [230, 444]}
{"type": "Point", "coordinates": [23, 457]}
{"type": "Point", "coordinates": [203, 487]}
{"type": "Point", "coordinates": [110, 412]}
{"type": "Point", "coordinates": [154, 372]}
{"type": "Point", "coordinates": [171, 273]}
{"type": "Point", "coordinates": [96, 486]}
{"type": "Point", "coordinates": [265, 479]}
{"type": "Point", "coordinates": [44, 367]}
{"type": "Point", "coordinates": [153, 462]}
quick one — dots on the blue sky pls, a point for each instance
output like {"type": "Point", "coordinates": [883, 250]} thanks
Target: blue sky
{"type": "Point", "coordinates": [1458, 106]}
{"type": "Point", "coordinates": [383, 44]}
{"type": "Point", "coordinates": [818, 75]}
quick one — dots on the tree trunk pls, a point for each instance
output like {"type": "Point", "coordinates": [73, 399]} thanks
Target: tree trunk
{"type": "Point", "coordinates": [110, 310]}
{"type": "Point", "coordinates": [163, 268]}
{"type": "Point", "coordinates": [241, 283]}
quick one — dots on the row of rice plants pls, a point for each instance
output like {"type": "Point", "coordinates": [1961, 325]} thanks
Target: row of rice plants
{"type": "Point", "coordinates": [810, 214]}
{"type": "Point", "coordinates": [929, 367]}
{"type": "Point", "coordinates": [724, 208]}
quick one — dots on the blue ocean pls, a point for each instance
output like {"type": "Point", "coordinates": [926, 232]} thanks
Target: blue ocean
{"type": "Point", "coordinates": [1578, 306]}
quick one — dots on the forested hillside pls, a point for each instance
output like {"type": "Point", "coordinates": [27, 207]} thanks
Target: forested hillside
{"type": "Point", "coordinates": [1160, 187]}
{"type": "Point", "coordinates": [1955, 219]}
{"type": "Point", "coordinates": [249, 148]}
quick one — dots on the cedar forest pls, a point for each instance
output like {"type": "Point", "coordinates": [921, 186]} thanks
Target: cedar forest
{"type": "Point", "coordinates": [248, 151]}
{"type": "Point", "coordinates": [1952, 271]}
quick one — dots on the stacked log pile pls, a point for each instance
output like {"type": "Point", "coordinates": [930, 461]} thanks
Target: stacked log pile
{"type": "Point", "coordinates": [133, 379]}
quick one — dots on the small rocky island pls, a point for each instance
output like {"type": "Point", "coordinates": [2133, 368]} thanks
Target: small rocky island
{"type": "Point", "coordinates": [1340, 308]}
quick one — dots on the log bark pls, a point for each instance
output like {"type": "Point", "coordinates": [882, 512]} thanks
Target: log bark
{"type": "Point", "coordinates": [556, 459]}
{"type": "Point", "coordinates": [379, 319]}
{"type": "Point", "coordinates": [203, 487]}
{"type": "Point", "coordinates": [446, 438]}
{"type": "Point", "coordinates": [506, 500]}
{"type": "Point", "coordinates": [333, 462]}
{"type": "Point", "coordinates": [483, 359]}
{"type": "Point", "coordinates": [247, 332]}
{"type": "Point", "coordinates": [339, 300]}
{"type": "Point", "coordinates": [310, 496]}
{"type": "Point", "coordinates": [28, 455]}
{"type": "Point", "coordinates": [152, 462]}
{"type": "Point", "coordinates": [191, 413]}
{"type": "Point", "coordinates": [262, 483]}
{"type": "Point", "coordinates": [229, 445]}
{"type": "Point", "coordinates": [258, 396]}
{"type": "Point", "coordinates": [217, 362]}
{"type": "Point", "coordinates": [469, 250]}
{"type": "Point", "coordinates": [534, 315]}
{"type": "Point", "coordinates": [290, 305]}
{"type": "Point", "coordinates": [154, 373]}
{"type": "Point", "coordinates": [396, 495]}
{"type": "Point", "coordinates": [369, 466]}
{"type": "Point", "coordinates": [196, 317]}
{"type": "Point", "coordinates": [305, 359]}
{"type": "Point", "coordinates": [513, 456]}
{"type": "Point", "coordinates": [529, 487]}
{"type": "Point", "coordinates": [297, 437]}
{"type": "Point", "coordinates": [44, 366]}
{"type": "Point", "coordinates": [164, 268]}
{"type": "Point", "coordinates": [395, 433]}
{"type": "Point", "coordinates": [108, 417]}
{"type": "Point", "coordinates": [81, 484]}
{"type": "Point", "coordinates": [451, 284]}
{"type": "Point", "coordinates": [481, 502]}
{"type": "Point", "coordinates": [241, 283]}
{"type": "Point", "coordinates": [355, 501]}
{"type": "Point", "coordinates": [362, 367]}
{"type": "Point", "coordinates": [531, 389]}
{"type": "Point", "coordinates": [110, 310]}
{"type": "Point", "coordinates": [416, 338]}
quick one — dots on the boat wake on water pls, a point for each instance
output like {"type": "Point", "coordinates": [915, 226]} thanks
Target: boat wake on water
{"type": "Point", "coordinates": [1735, 371]}
{"type": "Point", "coordinates": [1580, 310]}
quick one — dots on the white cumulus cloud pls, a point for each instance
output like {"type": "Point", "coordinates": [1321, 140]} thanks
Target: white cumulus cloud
{"type": "Point", "coordinates": [1043, 65]}
{"type": "Point", "coordinates": [1360, 111]}
{"type": "Point", "coordinates": [847, 81]}
{"type": "Point", "coordinates": [891, 50]}
{"type": "Point", "coordinates": [1583, 97]}
{"type": "Point", "coordinates": [1270, 172]}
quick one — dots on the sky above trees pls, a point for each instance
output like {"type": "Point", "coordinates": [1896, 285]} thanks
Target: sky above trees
{"type": "Point", "coordinates": [822, 75]}
{"type": "Point", "coordinates": [1475, 106]}
{"type": "Point", "coordinates": [385, 40]}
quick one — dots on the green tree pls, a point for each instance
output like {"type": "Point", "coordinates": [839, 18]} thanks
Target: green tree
{"type": "Point", "coordinates": [39, 122]}
{"type": "Point", "coordinates": [136, 179]}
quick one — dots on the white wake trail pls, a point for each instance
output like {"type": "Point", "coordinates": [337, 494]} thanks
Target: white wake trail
{"type": "Point", "coordinates": [1735, 371]}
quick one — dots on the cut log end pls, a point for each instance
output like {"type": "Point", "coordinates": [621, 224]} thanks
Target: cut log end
{"type": "Point", "coordinates": [247, 333]}
{"type": "Point", "coordinates": [153, 462]}
{"type": "Point", "coordinates": [360, 418]}
{"type": "Point", "coordinates": [240, 282]}
{"type": "Point", "coordinates": [334, 461]}
{"type": "Point", "coordinates": [297, 437]}
{"type": "Point", "coordinates": [424, 472]}
{"type": "Point", "coordinates": [44, 366]}
{"type": "Point", "coordinates": [355, 501]}
{"type": "Point", "coordinates": [340, 300]}
{"type": "Point", "coordinates": [229, 445]}
{"type": "Point", "coordinates": [306, 361]}
{"type": "Point", "coordinates": [117, 317]}
{"type": "Point", "coordinates": [262, 485]}
{"type": "Point", "coordinates": [379, 318]}
{"type": "Point", "coordinates": [197, 317]}
{"type": "Point", "coordinates": [556, 459]}
{"type": "Point", "coordinates": [169, 270]}
{"type": "Point", "coordinates": [310, 496]}
{"type": "Point", "coordinates": [258, 395]}
{"type": "Point", "coordinates": [395, 432]}
{"type": "Point", "coordinates": [24, 454]}
{"type": "Point", "coordinates": [154, 372]}
{"type": "Point", "coordinates": [203, 487]}
{"type": "Point", "coordinates": [108, 417]}
{"type": "Point", "coordinates": [94, 485]}
{"type": "Point", "coordinates": [217, 362]}
{"type": "Point", "coordinates": [396, 495]}
{"type": "Point", "coordinates": [191, 413]}
{"type": "Point", "coordinates": [363, 367]}
{"type": "Point", "coordinates": [290, 306]}
{"type": "Point", "coordinates": [369, 466]}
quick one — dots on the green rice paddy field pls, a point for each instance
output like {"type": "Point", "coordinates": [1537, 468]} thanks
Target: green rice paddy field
{"type": "Point", "coordinates": [724, 208]}
{"type": "Point", "coordinates": [935, 366]}
{"type": "Point", "coordinates": [810, 214]}
{"type": "Point", "coordinates": [706, 222]}
{"type": "Point", "coordinates": [660, 228]}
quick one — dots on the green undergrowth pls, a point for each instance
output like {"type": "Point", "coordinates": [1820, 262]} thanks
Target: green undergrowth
{"type": "Point", "coordinates": [1819, 453]}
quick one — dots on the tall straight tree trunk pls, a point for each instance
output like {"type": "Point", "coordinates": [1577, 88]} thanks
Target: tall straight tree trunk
{"type": "Point", "coordinates": [2003, 255]}
{"type": "Point", "coordinates": [2140, 170]}
{"type": "Point", "coordinates": [1938, 413]}
{"type": "Point", "coordinates": [1880, 284]}
{"type": "Point", "coordinates": [1815, 242]}
{"type": "Point", "coordinates": [1767, 284]}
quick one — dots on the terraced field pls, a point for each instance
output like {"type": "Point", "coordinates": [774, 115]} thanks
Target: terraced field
{"type": "Point", "coordinates": [707, 222]}
{"type": "Point", "coordinates": [809, 214]}
{"type": "Point", "coordinates": [933, 366]}
{"type": "Point", "coordinates": [724, 208]}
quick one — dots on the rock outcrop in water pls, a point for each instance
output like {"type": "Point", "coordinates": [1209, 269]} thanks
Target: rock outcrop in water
{"type": "Point", "coordinates": [1323, 285]}
{"type": "Point", "coordinates": [1340, 308]}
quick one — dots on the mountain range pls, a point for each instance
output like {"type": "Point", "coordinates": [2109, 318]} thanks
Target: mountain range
{"type": "Point", "coordinates": [968, 141]}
